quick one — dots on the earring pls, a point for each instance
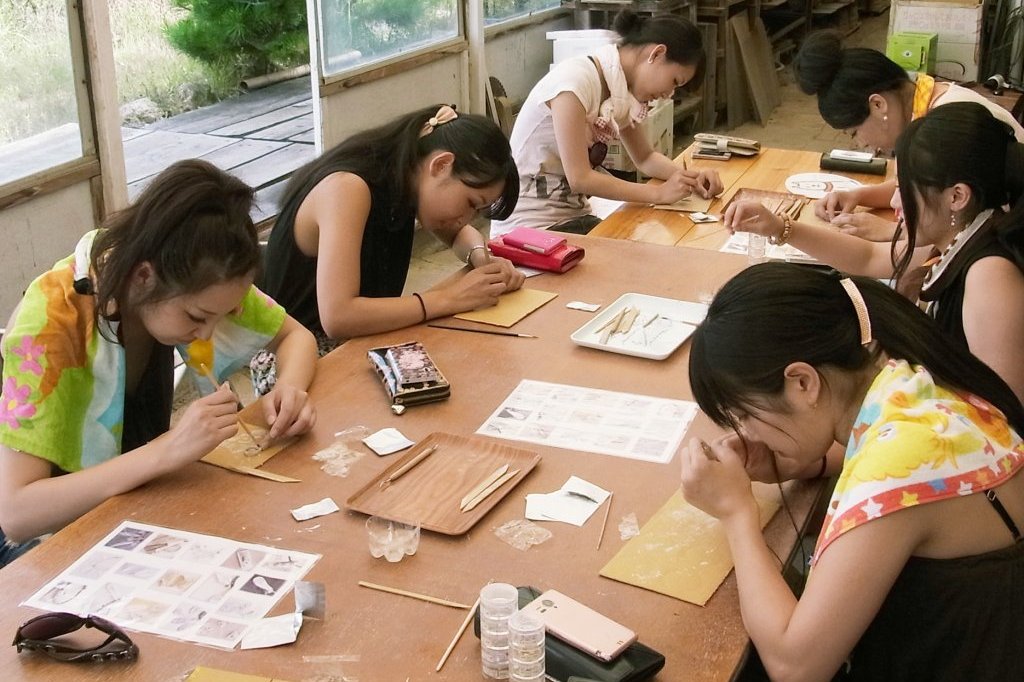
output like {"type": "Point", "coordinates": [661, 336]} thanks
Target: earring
{"type": "Point", "coordinates": [952, 223]}
{"type": "Point", "coordinates": [885, 118]}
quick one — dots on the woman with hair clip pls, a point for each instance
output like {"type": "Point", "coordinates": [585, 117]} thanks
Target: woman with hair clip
{"type": "Point", "coordinates": [866, 94]}
{"type": "Point", "coordinates": [339, 253]}
{"type": "Point", "coordinates": [958, 166]}
{"type": "Point", "coordinates": [560, 137]}
{"type": "Point", "coordinates": [88, 354]}
{"type": "Point", "coordinates": [917, 570]}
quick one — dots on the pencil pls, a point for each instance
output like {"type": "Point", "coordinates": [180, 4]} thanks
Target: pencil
{"type": "Point", "coordinates": [414, 595]}
{"type": "Point", "coordinates": [482, 331]}
{"type": "Point", "coordinates": [238, 403]}
{"type": "Point", "coordinates": [458, 635]}
{"type": "Point", "coordinates": [604, 523]}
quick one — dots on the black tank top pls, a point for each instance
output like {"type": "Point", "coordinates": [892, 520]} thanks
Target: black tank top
{"type": "Point", "coordinates": [289, 276]}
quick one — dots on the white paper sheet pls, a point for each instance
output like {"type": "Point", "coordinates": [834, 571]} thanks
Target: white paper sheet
{"type": "Point", "coordinates": [182, 585]}
{"type": "Point", "coordinates": [738, 244]}
{"type": "Point", "coordinates": [592, 420]}
{"type": "Point", "coordinates": [575, 502]}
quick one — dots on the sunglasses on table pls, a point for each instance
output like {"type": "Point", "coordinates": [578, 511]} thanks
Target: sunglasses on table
{"type": "Point", "coordinates": [40, 633]}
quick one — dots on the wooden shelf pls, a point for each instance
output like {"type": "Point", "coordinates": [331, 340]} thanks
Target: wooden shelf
{"type": "Point", "coordinates": [797, 22]}
{"type": "Point", "coordinates": [827, 8]}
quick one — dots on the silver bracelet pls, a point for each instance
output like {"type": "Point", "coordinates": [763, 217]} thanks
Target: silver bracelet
{"type": "Point", "coordinates": [469, 254]}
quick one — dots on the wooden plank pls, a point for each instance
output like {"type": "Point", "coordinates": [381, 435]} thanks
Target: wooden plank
{"type": "Point", "coordinates": [308, 137]}
{"type": "Point", "coordinates": [766, 59]}
{"type": "Point", "coordinates": [241, 152]}
{"type": "Point", "coordinates": [150, 154]}
{"type": "Point", "coordinates": [738, 101]}
{"type": "Point", "coordinates": [268, 202]}
{"type": "Point", "coordinates": [269, 119]}
{"type": "Point", "coordinates": [237, 109]}
{"type": "Point", "coordinates": [287, 129]}
{"type": "Point", "coordinates": [709, 90]}
{"type": "Point", "coordinates": [276, 165]}
{"type": "Point", "coordinates": [33, 155]}
{"type": "Point", "coordinates": [48, 180]}
{"type": "Point", "coordinates": [760, 80]}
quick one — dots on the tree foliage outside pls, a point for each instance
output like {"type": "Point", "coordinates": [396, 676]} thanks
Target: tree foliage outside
{"type": "Point", "coordinates": [246, 37]}
{"type": "Point", "coordinates": [499, 10]}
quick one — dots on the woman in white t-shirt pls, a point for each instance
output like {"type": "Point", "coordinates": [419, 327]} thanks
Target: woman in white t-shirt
{"type": "Point", "coordinates": [561, 134]}
{"type": "Point", "coordinates": [871, 97]}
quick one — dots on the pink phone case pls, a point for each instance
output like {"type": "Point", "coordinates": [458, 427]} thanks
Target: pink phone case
{"type": "Point", "coordinates": [581, 626]}
{"type": "Point", "coordinates": [537, 241]}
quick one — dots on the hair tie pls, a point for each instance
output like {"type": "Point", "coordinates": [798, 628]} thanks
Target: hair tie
{"type": "Point", "coordinates": [444, 115]}
{"type": "Point", "coordinates": [863, 321]}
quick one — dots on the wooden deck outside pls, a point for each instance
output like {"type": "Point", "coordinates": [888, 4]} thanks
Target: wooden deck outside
{"type": "Point", "coordinates": [261, 137]}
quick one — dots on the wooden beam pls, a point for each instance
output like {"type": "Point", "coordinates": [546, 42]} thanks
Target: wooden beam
{"type": "Point", "coordinates": [49, 180]}
{"type": "Point", "coordinates": [338, 86]}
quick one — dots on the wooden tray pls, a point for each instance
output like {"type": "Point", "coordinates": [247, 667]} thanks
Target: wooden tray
{"type": "Point", "coordinates": [807, 216]}
{"type": "Point", "coordinates": [431, 491]}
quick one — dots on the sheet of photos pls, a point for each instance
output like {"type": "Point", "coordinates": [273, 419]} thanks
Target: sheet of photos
{"type": "Point", "coordinates": [198, 588]}
{"type": "Point", "coordinates": [592, 420]}
{"type": "Point", "coordinates": [737, 243]}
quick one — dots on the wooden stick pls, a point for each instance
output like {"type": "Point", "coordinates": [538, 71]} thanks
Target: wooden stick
{"type": "Point", "coordinates": [414, 595]}
{"type": "Point", "coordinates": [208, 373]}
{"type": "Point", "coordinates": [479, 488]}
{"type": "Point", "coordinates": [405, 468]}
{"type": "Point", "coordinates": [490, 489]}
{"type": "Point", "coordinates": [604, 523]}
{"type": "Point", "coordinates": [458, 635]}
{"type": "Point", "coordinates": [614, 320]}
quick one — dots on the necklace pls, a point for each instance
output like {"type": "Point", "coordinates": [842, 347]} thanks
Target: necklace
{"type": "Point", "coordinates": [962, 237]}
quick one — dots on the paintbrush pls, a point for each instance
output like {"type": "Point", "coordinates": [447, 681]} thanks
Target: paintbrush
{"type": "Point", "coordinates": [238, 403]}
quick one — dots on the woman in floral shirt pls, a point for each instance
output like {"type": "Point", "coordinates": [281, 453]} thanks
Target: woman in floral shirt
{"type": "Point", "coordinates": [88, 367]}
{"type": "Point", "coordinates": [917, 571]}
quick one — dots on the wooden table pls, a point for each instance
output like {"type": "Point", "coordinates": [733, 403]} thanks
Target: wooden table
{"type": "Point", "coordinates": [380, 637]}
{"type": "Point", "coordinates": [768, 170]}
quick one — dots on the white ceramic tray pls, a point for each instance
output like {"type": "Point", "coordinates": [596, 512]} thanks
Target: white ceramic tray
{"type": "Point", "coordinates": [661, 326]}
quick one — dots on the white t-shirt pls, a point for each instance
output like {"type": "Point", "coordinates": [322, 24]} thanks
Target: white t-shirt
{"type": "Point", "coordinates": [545, 198]}
{"type": "Point", "coordinates": [956, 93]}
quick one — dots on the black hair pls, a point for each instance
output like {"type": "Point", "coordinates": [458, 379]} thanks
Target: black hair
{"type": "Point", "coordinates": [961, 142]}
{"type": "Point", "coordinates": [683, 41]}
{"type": "Point", "coordinates": [844, 78]}
{"type": "Point", "coordinates": [191, 223]}
{"type": "Point", "coordinates": [774, 314]}
{"type": "Point", "coordinates": [391, 154]}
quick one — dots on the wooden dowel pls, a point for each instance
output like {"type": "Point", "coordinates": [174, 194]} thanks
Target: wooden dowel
{"type": "Point", "coordinates": [458, 635]}
{"type": "Point", "coordinates": [405, 468]}
{"type": "Point", "coordinates": [604, 523]}
{"type": "Point", "coordinates": [486, 492]}
{"type": "Point", "coordinates": [414, 595]}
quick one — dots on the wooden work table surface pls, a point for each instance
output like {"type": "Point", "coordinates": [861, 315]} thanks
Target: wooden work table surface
{"type": "Point", "coordinates": [768, 171]}
{"type": "Point", "coordinates": [372, 636]}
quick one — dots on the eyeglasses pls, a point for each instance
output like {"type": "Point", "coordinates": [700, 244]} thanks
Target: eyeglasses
{"type": "Point", "coordinates": [39, 633]}
{"type": "Point", "coordinates": [597, 153]}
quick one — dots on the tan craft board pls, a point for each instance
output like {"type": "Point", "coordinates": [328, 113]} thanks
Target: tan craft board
{"type": "Point", "coordinates": [239, 454]}
{"type": "Point", "coordinates": [431, 491]}
{"type": "Point", "coordinates": [681, 551]}
{"type": "Point", "coordinates": [511, 307]}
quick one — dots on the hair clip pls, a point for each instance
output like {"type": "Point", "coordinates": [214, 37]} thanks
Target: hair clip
{"type": "Point", "coordinates": [863, 320]}
{"type": "Point", "coordinates": [444, 115]}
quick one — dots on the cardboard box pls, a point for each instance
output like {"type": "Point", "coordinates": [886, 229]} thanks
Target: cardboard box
{"type": "Point", "coordinates": [658, 128]}
{"type": "Point", "coordinates": [913, 51]}
{"type": "Point", "coordinates": [958, 27]}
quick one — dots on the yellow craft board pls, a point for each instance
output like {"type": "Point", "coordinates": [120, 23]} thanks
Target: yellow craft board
{"type": "Point", "coordinates": [681, 551]}
{"type": "Point", "coordinates": [688, 204]}
{"type": "Point", "coordinates": [238, 454]}
{"type": "Point", "coordinates": [511, 307]}
{"type": "Point", "coordinates": [204, 674]}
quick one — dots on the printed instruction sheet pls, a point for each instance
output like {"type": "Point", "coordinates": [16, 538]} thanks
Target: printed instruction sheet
{"type": "Point", "coordinates": [592, 420]}
{"type": "Point", "coordinates": [187, 586]}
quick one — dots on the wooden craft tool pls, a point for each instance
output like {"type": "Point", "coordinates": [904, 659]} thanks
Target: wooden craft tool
{"type": "Point", "coordinates": [485, 493]}
{"type": "Point", "coordinates": [708, 452]}
{"type": "Point", "coordinates": [414, 595]}
{"type": "Point", "coordinates": [480, 487]}
{"type": "Point", "coordinates": [458, 635]}
{"type": "Point", "coordinates": [483, 331]}
{"type": "Point", "coordinates": [245, 427]}
{"type": "Point", "coordinates": [405, 468]}
{"type": "Point", "coordinates": [604, 522]}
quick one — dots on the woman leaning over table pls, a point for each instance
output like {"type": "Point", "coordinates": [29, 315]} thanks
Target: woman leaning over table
{"type": "Point", "coordinates": [958, 166]}
{"type": "Point", "coordinates": [559, 139]}
{"type": "Point", "coordinates": [871, 97]}
{"type": "Point", "coordinates": [916, 573]}
{"type": "Point", "coordinates": [88, 367]}
{"type": "Point", "coordinates": [340, 250]}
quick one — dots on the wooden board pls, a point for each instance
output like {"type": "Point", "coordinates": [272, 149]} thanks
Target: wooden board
{"type": "Point", "coordinates": [431, 491]}
{"type": "Point", "coordinates": [239, 454]}
{"type": "Point", "coordinates": [681, 551]}
{"type": "Point", "coordinates": [757, 68]}
{"type": "Point", "coordinates": [511, 307]}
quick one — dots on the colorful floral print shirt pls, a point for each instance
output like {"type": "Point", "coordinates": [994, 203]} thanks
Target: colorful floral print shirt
{"type": "Point", "coordinates": [63, 381]}
{"type": "Point", "coordinates": [915, 442]}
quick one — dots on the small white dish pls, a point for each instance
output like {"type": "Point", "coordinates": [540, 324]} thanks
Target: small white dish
{"type": "Point", "coordinates": [661, 326]}
{"type": "Point", "coordinates": [817, 185]}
